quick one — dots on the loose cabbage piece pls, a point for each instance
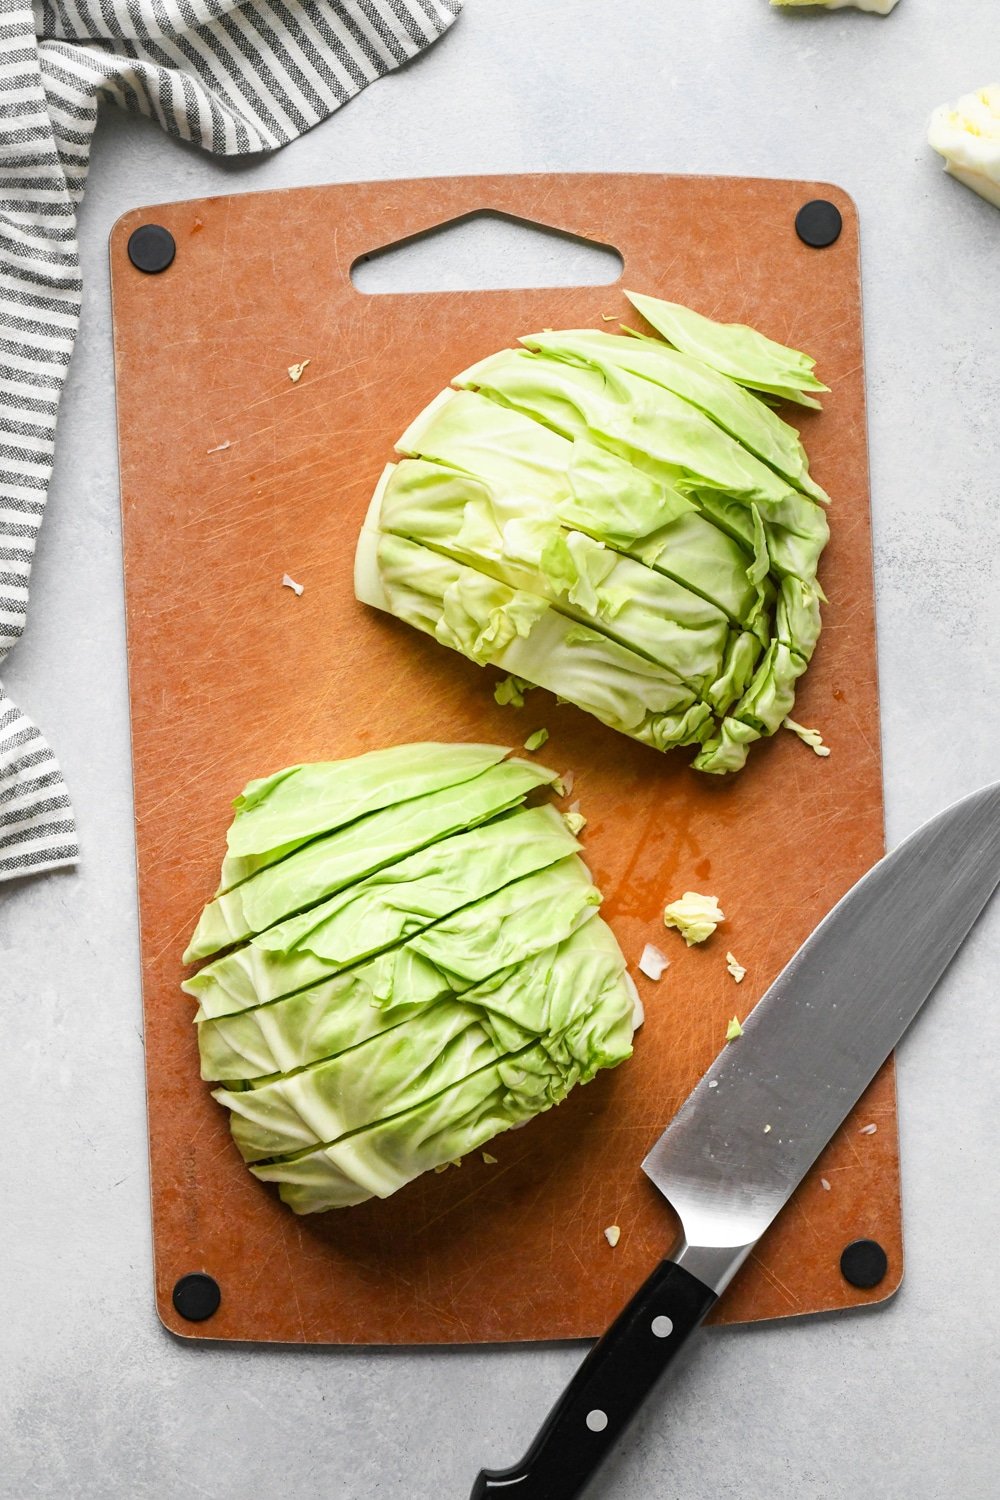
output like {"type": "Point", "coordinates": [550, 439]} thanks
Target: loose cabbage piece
{"type": "Point", "coordinates": [746, 356]}
{"type": "Point", "coordinates": [625, 523]}
{"type": "Point", "coordinates": [695, 916]}
{"type": "Point", "coordinates": [384, 909]}
{"type": "Point", "coordinates": [394, 1018]}
{"type": "Point", "coordinates": [967, 135]}
{"type": "Point", "coordinates": [371, 843]}
{"type": "Point", "coordinates": [278, 813]}
{"type": "Point", "coordinates": [654, 962]}
{"type": "Point", "coordinates": [512, 690]}
{"type": "Point", "coordinates": [811, 737]}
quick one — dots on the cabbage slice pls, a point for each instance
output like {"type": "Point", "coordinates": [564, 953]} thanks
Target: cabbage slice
{"type": "Point", "coordinates": [275, 814]}
{"type": "Point", "coordinates": [368, 844]}
{"type": "Point", "coordinates": [644, 610]}
{"type": "Point", "coordinates": [580, 988]}
{"type": "Point", "coordinates": [564, 997]}
{"type": "Point", "coordinates": [498, 932]}
{"type": "Point", "coordinates": [643, 423]}
{"type": "Point", "coordinates": [744, 354]}
{"type": "Point", "coordinates": [382, 910]}
{"type": "Point", "coordinates": [721, 400]}
{"type": "Point", "coordinates": [522, 634]}
{"type": "Point", "coordinates": [967, 135]}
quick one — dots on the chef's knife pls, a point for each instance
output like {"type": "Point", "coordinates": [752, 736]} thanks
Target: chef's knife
{"type": "Point", "coordinates": [755, 1123]}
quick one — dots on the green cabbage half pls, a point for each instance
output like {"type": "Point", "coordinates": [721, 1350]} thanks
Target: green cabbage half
{"type": "Point", "coordinates": [410, 963]}
{"type": "Point", "coordinates": [620, 519]}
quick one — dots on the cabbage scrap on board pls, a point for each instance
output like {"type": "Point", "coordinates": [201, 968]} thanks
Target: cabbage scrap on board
{"type": "Point", "coordinates": [405, 959]}
{"type": "Point", "coordinates": [621, 518]}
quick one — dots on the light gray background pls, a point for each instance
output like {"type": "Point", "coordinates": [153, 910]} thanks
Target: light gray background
{"type": "Point", "coordinates": [95, 1398]}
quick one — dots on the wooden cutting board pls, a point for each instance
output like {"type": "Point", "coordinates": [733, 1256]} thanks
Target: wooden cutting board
{"type": "Point", "coordinates": [231, 475]}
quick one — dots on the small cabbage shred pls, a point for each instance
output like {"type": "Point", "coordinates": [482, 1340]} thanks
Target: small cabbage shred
{"type": "Point", "coordinates": [511, 690]}
{"type": "Point", "coordinates": [622, 519]}
{"type": "Point", "coordinates": [811, 737]}
{"type": "Point", "coordinates": [967, 135]}
{"type": "Point", "coordinates": [694, 916]}
{"type": "Point", "coordinates": [404, 960]}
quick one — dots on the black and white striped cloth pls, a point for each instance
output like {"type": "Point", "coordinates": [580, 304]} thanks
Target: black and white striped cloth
{"type": "Point", "coordinates": [235, 76]}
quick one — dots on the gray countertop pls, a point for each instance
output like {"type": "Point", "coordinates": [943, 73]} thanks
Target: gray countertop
{"type": "Point", "coordinates": [95, 1398]}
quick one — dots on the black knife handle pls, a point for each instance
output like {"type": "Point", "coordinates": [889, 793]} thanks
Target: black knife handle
{"type": "Point", "coordinates": [606, 1391]}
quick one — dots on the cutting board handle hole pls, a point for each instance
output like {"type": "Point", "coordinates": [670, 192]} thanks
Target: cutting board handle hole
{"type": "Point", "coordinates": [486, 251]}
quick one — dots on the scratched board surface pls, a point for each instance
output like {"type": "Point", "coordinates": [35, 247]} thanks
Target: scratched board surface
{"type": "Point", "coordinates": [232, 476]}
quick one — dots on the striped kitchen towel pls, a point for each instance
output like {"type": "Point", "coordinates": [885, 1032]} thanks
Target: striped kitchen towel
{"type": "Point", "coordinates": [235, 76]}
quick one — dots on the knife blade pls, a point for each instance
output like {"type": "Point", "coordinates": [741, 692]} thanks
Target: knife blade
{"type": "Point", "coordinates": [809, 1049]}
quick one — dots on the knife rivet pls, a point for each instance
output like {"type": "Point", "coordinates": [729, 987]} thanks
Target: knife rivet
{"type": "Point", "coordinates": [151, 248]}
{"type": "Point", "coordinates": [197, 1296]}
{"type": "Point", "coordinates": [597, 1420]}
{"type": "Point", "coordinates": [864, 1263]}
{"type": "Point", "coordinates": [818, 223]}
{"type": "Point", "coordinates": [662, 1327]}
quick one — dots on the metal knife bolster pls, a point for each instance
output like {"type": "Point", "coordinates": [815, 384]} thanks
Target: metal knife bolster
{"type": "Point", "coordinates": [714, 1265]}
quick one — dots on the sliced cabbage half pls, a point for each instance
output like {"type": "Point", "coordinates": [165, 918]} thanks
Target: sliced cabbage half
{"type": "Point", "coordinates": [412, 963]}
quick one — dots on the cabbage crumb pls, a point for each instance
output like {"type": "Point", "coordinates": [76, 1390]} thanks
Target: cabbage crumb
{"type": "Point", "coordinates": [694, 916]}
{"type": "Point", "coordinates": [653, 962]}
{"type": "Point", "coordinates": [537, 740]}
{"type": "Point", "coordinates": [733, 1030]}
{"type": "Point", "coordinates": [612, 1234]}
{"type": "Point", "coordinates": [735, 968]}
{"type": "Point", "coordinates": [511, 690]}
{"type": "Point", "coordinates": [490, 1161]}
{"type": "Point", "coordinates": [574, 819]}
{"type": "Point", "coordinates": [295, 371]}
{"type": "Point", "coordinates": [811, 737]}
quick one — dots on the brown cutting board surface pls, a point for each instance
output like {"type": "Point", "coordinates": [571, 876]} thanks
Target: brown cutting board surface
{"type": "Point", "coordinates": [232, 475]}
